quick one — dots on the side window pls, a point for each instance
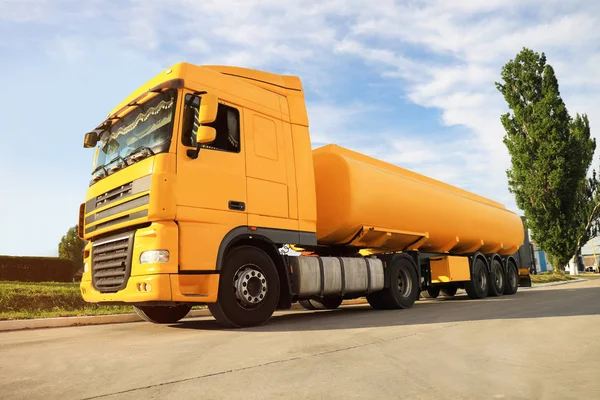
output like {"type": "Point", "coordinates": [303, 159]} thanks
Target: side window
{"type": "Point", "coordinates": [227, 126]}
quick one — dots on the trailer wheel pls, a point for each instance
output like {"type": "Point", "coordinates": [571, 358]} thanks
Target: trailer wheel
{"type": "Point", "coordinates": [449, 291]}
{"type": "Point", "coordinates": [248, 289]}
{"type": "Point", "coordinates": [511, 284]}
{"type": "Point", "coordinates": [431, 293]}
{"type": "Point", "coordinates": [402, 284]}
{"type": "Point", "coordinates": [162, 314]}
{"type": "Point", "coordinates": [478, 286]}
{"type": "Point", "coordinates": [496, 286]}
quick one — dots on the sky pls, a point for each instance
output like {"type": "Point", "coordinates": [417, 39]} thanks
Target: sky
{"type": "Point", "coordinates": [409, 82]}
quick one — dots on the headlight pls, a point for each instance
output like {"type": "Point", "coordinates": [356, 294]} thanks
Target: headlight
{"type": "Point", "coordinates": [154, 256]}
{"type": "Point", "coordinates": [86, 266]}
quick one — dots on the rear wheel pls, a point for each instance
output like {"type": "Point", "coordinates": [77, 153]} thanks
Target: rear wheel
{"type": "Point", "coordinates": [307, 304]}
{"type": "Point", "coordinates": [162, 314]}
{"type": "Point", "coordinates": [376, 301]}
{"type": "Point", "coordinates": [449, 291]}
{"type": "Point", "coordinates": [478, 286]}
{"type": "Point", "coordinates": [324, 303]}
{"type": "Point", "coordinates": [431, 293]}
{"type": "Point", "coordinates": [402, 284]}
{"type": "Point", "coordinates": [512, 279]}
{"type": "Point", "coordinates": [248, 289]}
{"type": "Point", "coordinates": [328, 303]}
{"type": "Point", "coordinates": [496, 286]}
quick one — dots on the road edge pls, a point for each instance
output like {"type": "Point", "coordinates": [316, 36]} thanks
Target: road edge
{"type": "Point", "coordinates": [63, 322]}
{"type": "Point", "coordinates": [554, 283]}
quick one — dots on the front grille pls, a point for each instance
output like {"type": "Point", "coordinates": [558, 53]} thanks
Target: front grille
{"type": "Point", "coordinates": [111, 262]}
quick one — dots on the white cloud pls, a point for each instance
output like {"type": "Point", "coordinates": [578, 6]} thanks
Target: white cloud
{"type": "Point", "coordinates": [442, 55]}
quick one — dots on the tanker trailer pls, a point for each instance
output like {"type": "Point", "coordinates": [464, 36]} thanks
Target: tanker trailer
{"type": "Point", "coordinates": [450, 237]}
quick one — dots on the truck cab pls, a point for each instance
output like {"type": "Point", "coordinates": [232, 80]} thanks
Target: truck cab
{"type": "Point", "coordinates": [196, 161]}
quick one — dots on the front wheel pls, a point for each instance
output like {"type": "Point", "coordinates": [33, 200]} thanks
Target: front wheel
{"type": "Point", "coordinates": [162, 314]}
{"type": "Point", "coordinates": [248, 289]}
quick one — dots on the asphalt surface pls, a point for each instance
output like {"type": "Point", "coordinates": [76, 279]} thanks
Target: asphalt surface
{"type": "Point", "coordinates": [542, 343]}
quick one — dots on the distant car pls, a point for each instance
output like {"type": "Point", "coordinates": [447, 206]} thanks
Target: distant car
{"type": "Point", "coordinates": [590, 269]}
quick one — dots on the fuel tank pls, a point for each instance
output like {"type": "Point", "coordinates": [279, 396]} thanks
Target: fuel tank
{"type": "Point", "coordinates": [370, 204]}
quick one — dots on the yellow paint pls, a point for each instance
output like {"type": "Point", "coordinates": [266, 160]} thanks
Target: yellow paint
{"type": "Point", "coordinates": [449, 269]}
{"type": "Point", "coordinates": [523, 271]}
{"type": "Point", "coordinates": [354, 190]}
{"type": "Point", "coordinates": [161, 290]}
{"type": "Point", "coordinates": [195, 288]}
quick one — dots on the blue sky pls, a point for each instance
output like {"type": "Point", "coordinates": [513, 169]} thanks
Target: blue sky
{"type": "Point", "coordinates": [409, 82]}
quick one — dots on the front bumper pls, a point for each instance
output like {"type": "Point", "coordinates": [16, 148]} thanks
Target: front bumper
{"type": "Point", "coordinates": [163, 288]}
{"type": "Point", "coordinates": [155, 282]}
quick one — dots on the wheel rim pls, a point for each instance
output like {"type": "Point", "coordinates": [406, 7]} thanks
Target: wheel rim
{"type": "Point", "coordinates": [404, 283]}
{"type": "Point", "coordinates": [482, 279]}
{"type": "Point", "coordinates": [250, 286]}
{"type": "Point", "coordinates": [498, 277]}
{"type": "Point", "coordinates": [513, 277]}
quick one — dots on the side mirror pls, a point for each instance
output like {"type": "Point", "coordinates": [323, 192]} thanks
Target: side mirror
{"type": "Point", "coordinates": [90, 140]}
{"type": "Point", "coordinates": [208, 109]}
{"type": "Point", "coordinates": [205, 134]}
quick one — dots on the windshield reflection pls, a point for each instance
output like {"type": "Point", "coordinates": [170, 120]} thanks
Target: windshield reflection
{"type": "Point", "coordinates": [144, 131]}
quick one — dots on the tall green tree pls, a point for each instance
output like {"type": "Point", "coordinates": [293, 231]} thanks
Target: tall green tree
{"type": "Point", "coordinates": [71, 247]}
{"type": "Point", "coordinates": [551, 154]}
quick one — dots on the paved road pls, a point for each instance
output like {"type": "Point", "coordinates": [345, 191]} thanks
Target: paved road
{"type": "Point", "coordinates": [542, 343]}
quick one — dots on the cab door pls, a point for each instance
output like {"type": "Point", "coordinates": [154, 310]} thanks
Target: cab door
{"type": "Point", "coordinates": [211, 189]}
{"type": "Point", "coordinates": [267, 186]}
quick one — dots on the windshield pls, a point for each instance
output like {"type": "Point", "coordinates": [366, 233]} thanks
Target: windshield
{"type": "Point", "coordinates": [144, 131]}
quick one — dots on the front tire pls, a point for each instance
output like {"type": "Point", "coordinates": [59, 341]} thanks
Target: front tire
{"type": "Point", "coordinates": [248, 289]}
{"type": "Point", "coordinates": [162, 314]}
{"type": "Point", "coordinates": [478, 286]}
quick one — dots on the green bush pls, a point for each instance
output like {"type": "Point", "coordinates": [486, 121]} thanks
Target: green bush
{"type": "Point", "coordinates": [36, 269]}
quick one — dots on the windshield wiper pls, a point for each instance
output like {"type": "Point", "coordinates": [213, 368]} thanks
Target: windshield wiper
{"type": "Point", "coordinates": [96, 178]}
{"type": "Point", "coordinates": [118, 165]}
{"type": "Point", "coordinates": [140, 153]}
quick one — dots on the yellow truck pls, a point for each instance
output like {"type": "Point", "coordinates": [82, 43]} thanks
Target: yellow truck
{"type": "Point", "coordinates": [205, 175]}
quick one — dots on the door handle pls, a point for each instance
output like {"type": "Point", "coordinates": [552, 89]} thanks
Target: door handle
{"type": "Point", "coordinates": [237, 205]}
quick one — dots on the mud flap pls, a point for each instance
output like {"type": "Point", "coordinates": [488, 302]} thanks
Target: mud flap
{"type": "Point", "coordinates": [525, 281]}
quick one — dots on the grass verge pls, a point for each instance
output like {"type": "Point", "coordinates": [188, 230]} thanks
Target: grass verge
{"type": "Point", "coordinates": [27, 300]}
{"type": "Point", "coordinates": [547, 278]}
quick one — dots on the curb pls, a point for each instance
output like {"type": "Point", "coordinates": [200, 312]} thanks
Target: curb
{"type": "Point", "coordinates": [63, 322]}
{"type": "Point", "coordinates": [552, 284]}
